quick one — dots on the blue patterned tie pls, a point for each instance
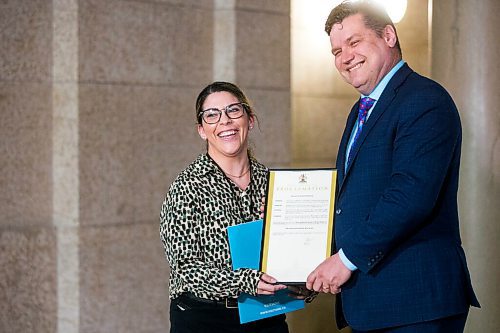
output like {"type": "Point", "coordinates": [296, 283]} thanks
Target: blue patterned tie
{"type": "Point", "coordinates": [364, 106]}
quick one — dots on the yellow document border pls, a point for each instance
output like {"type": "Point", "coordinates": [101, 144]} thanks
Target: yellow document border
{"type": "Point", "coordinates": [268, 214]}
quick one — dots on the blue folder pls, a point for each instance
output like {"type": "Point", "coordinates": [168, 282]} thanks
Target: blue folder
{"type": "Point", "coordinates": [245, 245]}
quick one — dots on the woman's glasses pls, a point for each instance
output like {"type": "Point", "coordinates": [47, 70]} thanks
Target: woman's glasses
{"type": "Point", "coordinates": [233, 111]}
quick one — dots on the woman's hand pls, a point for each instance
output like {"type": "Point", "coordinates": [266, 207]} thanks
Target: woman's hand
{"type": "Point", "coordinates": [267, 286]}
{"type": "Point", "coordinates": [262, 207]}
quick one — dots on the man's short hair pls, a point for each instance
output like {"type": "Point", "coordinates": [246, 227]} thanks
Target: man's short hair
{"type": "Point", "coordinates": [375, 16]}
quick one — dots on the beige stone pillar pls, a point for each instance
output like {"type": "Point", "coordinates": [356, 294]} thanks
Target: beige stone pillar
{"type": "Point", "coordinates": [28, 252]}
{"type": "Point", "coordinates": [65, 161]}
{"type": "Point", "coordinates": [465, 59]}
{"type": "Point", "coordinates": [262, 68]}
{"type": "Point", "coordinates": [251, 47]}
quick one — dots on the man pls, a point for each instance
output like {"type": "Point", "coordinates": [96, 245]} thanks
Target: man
{"type": "Point", "coordinates": [400, 266]}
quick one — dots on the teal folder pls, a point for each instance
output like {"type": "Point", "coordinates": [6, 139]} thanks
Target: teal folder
{"type": "Point", "coordinates": [245, 242]}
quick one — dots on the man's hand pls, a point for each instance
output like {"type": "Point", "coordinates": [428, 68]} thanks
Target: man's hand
{"type": "Point", "coordinates": [266, 285]}
{"type": "Point", "coordinates": [329, 276]}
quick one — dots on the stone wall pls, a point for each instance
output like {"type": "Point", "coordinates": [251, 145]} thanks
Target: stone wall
{"type": "Point", "coordinates": [97, 118]}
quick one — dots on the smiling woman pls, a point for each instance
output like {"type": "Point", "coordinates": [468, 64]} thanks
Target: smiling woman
{"type": "Point", "coordinates": [221, 188]}
{"type": "Point", "coordinates": [225, 126]}
{"type": "Point", "coordinates": [224, 121]}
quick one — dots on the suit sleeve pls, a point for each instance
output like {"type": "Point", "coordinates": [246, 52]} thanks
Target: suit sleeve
{"type": "Point", "coordinates": [425, 143]}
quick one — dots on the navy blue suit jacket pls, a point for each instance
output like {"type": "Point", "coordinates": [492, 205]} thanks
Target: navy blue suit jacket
{"type": "Point", "coordinates": [396, 214]}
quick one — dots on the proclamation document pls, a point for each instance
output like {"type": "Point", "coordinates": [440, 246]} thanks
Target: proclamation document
{"type": "Point", "coordinates": [298, 222]}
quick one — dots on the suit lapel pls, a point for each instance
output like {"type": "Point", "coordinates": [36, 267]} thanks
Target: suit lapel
{"type": "Point", "coordinates": [382, 105]}
{"type": "Point", "coordinates": [351, 120]}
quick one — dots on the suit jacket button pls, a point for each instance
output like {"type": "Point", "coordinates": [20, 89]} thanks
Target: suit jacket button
{"type": "Point", "coordinates": [338, 211]}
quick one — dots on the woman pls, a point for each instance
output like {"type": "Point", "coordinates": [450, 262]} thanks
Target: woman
{"type": "Point", "coordinates": [222, 187]}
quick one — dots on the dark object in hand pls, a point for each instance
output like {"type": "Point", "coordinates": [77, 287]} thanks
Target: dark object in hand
{"type": "Point", "coordinates": [301, 292]}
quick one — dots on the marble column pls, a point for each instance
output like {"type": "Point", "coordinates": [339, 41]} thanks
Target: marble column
{"type": "Point", "coordinates": [65, 161]}
{"type": "Point", "coordinates": [261, 66]}
{"type": "Point", "coordinates": [28, 252]}
{"type": "Point", "coordinates": [465, 56]}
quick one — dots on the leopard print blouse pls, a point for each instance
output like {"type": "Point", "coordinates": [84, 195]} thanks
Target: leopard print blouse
{"type": "Point", "coordinates": [200, 204]}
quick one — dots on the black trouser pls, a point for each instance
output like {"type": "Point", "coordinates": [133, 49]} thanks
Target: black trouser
{"type": "Point", "coordinates": [191, 316]}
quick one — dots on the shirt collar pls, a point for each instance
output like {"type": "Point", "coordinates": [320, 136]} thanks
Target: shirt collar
{"type": "Point", "coordinates": [379, 89]}
{"type": "Point", "coordinates": [205, 165]}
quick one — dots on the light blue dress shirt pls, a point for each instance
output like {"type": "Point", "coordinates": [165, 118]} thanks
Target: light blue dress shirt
{"type": "Point", "coordinates": [375, 94]}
